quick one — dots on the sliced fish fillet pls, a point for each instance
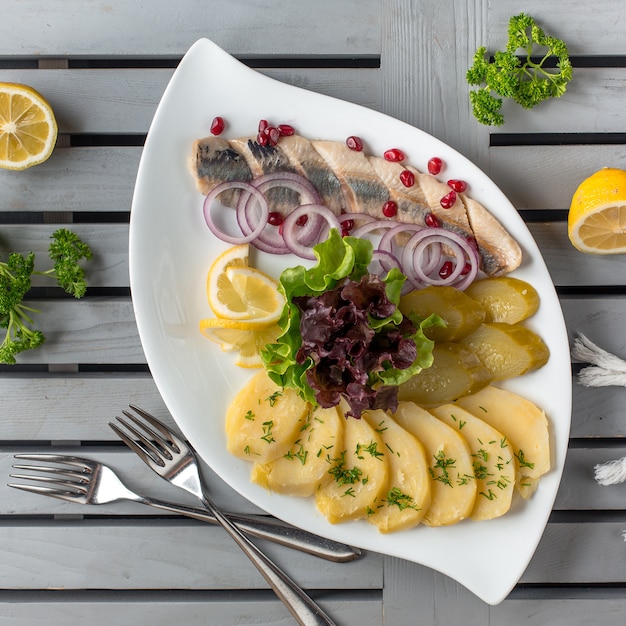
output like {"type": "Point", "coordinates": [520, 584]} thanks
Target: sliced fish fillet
{"type": "Point", "coordinates": [351, 181]}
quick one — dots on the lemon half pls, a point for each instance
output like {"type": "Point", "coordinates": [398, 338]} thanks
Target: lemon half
{"type": "Point", "coordinates": [28, 129]}
{"type": "Point", "coordinates": [597, 217]}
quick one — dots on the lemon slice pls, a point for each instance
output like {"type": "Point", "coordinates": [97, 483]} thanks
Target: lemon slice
{"type": "Point", "coordinates": [597, 216]}
{"type": "Point", "coordinates": [28, 129]}
{"type": "Point", "coordinates": [245, 337]}
{"type": "Point", "coordinates": [238, 292]}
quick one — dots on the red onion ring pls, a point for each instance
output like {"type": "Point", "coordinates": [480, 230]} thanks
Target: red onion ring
{"type": "Point", "coordinates": [249, 189]}
{"type": "Point", "coordinates": [291, 240]}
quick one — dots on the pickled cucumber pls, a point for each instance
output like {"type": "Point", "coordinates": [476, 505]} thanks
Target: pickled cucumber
{"type": "Point", "coordinates": [505, 299]}
{"type": "Point", "coordinates": [507, 350]}
{"type": "Point", "coordinates": [461, 313]}
{"type": "Point", "coordinates": [456, 371]}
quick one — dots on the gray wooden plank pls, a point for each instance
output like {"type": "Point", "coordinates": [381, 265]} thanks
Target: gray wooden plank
{"type": "Point", "coordinates": [72, 407]}
{"type": "Point", "coordinates": [546, 177]}
{"type": "Point", "coordinates": [569, 610]}
{"type": "Point", "coordinates": [80, 331]}
{"type": "Point", "coordinates": [421, 84]}
{"type": "Point", "coordinates": [70, 609]}
{"type": "Point", "coordinates": [579, 491]}
{"type": "Point", "coordinates": [73, 179]}
{"type": "Point", "coordinates": [156, 554]}
{"type": "Point", "coordinates": [579, 553]}
{"type": "Point", "coordinates": [120, 28]}
{"type": "Point", "coordinates": [125, 100]}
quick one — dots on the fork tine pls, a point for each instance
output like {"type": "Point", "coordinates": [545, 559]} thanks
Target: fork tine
{"type": "Point", "coordinates": [77, 461]}
{"type": "Point", "coordinates": [47, 491]}
{"type": "Point", "coordinates": [163, 437]}
{"type": "Point", "coordinates": [157, 444]}
{"type": "Point", "coordinates": [169, 434]}
{"type": "Point", "coordinates": [69, 484]}
{"type": "Point", "coordinates": [58, 471]}
{"type": "Point", "coordinates": [138, 447]}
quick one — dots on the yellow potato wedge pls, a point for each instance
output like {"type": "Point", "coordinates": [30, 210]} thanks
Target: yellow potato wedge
{"type": "Point", "coordinates": [525, 426]}
{"type": "Point", "coordinates": [407, 495]}
{"type": "Point", "coordinates": [359, 474]}
{"type": "Point", "coordinates": [263, 420]}
{"type": "Point", "coordinates": [507, 350]}
{"type": "Point", "coordinates": [304, 468]}
{"type": "Point", "coordinates": [492, 459]}
{"type": "Point", "coordinates": [456, 371]}
{"type": "Point", "coordinates": [504, 298]}
{"type": "Point", "coordinates": [453, 488]}
{"type": "Point", "coordinates": [461, 313]}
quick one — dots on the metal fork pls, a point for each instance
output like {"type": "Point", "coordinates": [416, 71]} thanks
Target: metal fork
{"type": "Point", "coordinates": [84, 481]}
{"type": "Point", "coordinates": [175, 460]}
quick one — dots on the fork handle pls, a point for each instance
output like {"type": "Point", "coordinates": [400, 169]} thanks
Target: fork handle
{"type": "Point", "coordinates": [301, 606]}
{"type": "Point", "coordinates": [269, 528]}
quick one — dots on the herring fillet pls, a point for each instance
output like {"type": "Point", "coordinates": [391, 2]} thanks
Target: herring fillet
{"type": "Point", "coordinates": [352, 182]}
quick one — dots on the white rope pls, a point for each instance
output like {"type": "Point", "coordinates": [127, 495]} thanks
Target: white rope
{"type": "Point", "coordinates": [607, 370]}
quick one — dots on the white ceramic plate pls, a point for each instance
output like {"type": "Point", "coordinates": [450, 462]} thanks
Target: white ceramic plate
{"type": "Point", "coordinates": [171, 250]}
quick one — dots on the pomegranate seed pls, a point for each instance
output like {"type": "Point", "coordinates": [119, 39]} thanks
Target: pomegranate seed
{"type": "Point", "coordinates": [435, 165]}
{"type": "Point", "coordinates": [263, 124]}
{"type": "Point", "coordinates": [275, 218]}
{"type": "Point", "coordinates": [347, 224]}
{"type": "Point", "coordinates": [394, 155]}
{"type": "Point", "coordinates": [273, 135]}
{"type": "Point", "coordinates": [354, 143]}
{"type": "Point", "coordinates": [457, 185]}
{"type": "Point", "coordinates": [407, 178]}
{"type": "Point", "coordinates": [302, 220]}
{"type": "Point", "coordinates": [262, 139]}
{"type": "Point", "coordinates": [345, 232]}
{"type": "Point", "coordinates": [432, 221]}
{"type": "Point", "coordinates": [472, 242]}
{"type": "Point", "coordinates": [286, 130]}
{"type": "Point", "coordinates": [446, 269]}
{"type": "Point", "coordinates": [217, 125]}
{"type": "Point", "coordinates": [390, 208]}
{"type": "Point", "coordinates": [466, 268]}
{"type": "Point", "coordinates": [448, 200]}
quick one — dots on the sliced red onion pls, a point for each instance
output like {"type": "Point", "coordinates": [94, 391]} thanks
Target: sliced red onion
{"type": "Point", "coordinates": [209, 201]}
{"type": "Point", "coordinates": [458, 267]}
{"type": "Point", "coordinates": [308, 234]}
{"type": "Point", "coordinates": [289, 226]}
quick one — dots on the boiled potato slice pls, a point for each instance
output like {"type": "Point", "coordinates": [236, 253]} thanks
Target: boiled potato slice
{"type": "Point", "coordinates": [456, 371]}
{"type": "Point", "coordinates": [507, 350]}
{"type": "Point", "coordinates": [461, 313]}
{"type": "Point", "coordinates": [407, 495]}
{"type": "Point", "coordinates": [492, 458]}
{"type": "Point", "coordinates": [504, 298]}
{"type": "Point", "coordinates": [453, 488]}
{"type": "Point", "coordinates": [359, 472]}
{"type": "Point", "coordinates": [525, 426]}
{"type": "Point", "coordinates": [304, 468]}
{"type": "Point", "coordinates": [263, 420]}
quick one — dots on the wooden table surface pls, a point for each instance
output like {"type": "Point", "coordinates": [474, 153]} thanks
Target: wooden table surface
{"type": "Point", "coordinates": [103, 66]}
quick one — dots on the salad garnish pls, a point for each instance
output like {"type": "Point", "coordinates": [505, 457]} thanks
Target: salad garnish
{"type": "Point", "coordinates": [343, 335]}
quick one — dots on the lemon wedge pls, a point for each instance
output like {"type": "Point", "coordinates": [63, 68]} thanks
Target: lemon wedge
{"type": "Point", "coordinates": [28, 129]}
{"type": "Point", "coordinates": [242, 336]}
{"type": "Point", "coordinates": [238, 292]}
{"type": "Point", "coordinates": [597, 216]}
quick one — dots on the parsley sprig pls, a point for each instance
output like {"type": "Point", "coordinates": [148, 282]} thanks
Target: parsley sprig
{"type": "Point", "coordinates": [65, 252]}
{"type": "Point", "coordinates": [521, 72]}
